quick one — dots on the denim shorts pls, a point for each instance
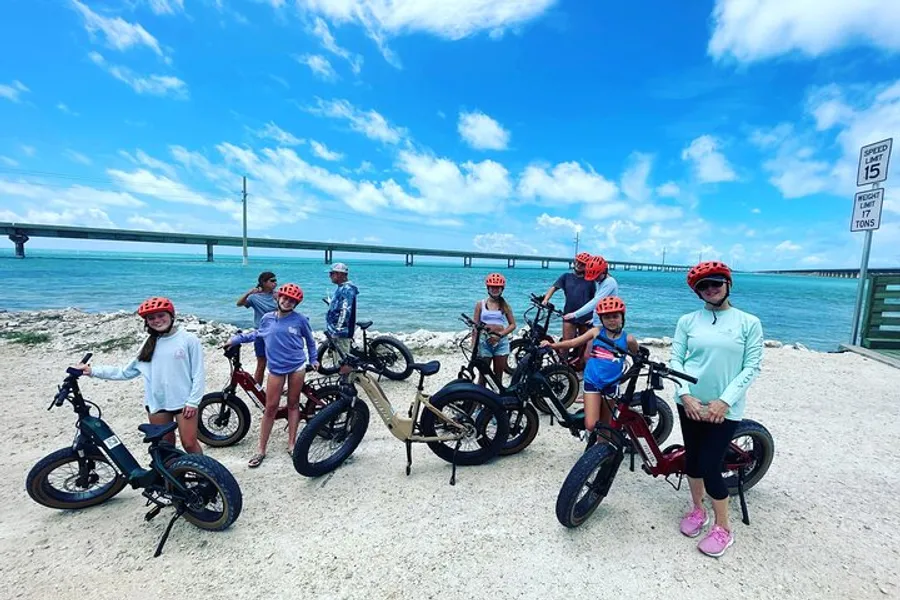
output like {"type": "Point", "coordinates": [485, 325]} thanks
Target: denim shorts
{"type": "Point", "coordinates": [501, 349]}
{"type": "Point", "coordinates": [259, 347]}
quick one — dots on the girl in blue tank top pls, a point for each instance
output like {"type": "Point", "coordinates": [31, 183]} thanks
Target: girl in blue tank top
{"type": "Point", "coordinates": [603, 367]}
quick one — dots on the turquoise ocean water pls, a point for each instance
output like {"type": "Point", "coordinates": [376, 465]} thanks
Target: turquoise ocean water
{"type": "Point", "coordinates": [814, 311]}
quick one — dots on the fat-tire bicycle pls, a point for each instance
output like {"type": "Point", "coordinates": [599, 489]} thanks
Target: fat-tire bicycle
{"type": "Point", "coordinates": [590, 480]}
{"type": "Point", "coordinates": [97, 466]}
{"type": "Point", "coordinates": [393, 357]}
{"type": "Point", "coordinates": [463, 425]}
{"type": "Point", "coordinates": [224, 418]}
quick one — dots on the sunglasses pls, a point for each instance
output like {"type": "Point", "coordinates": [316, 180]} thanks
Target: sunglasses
{"type": "Point", "coordinates": [710, 283]}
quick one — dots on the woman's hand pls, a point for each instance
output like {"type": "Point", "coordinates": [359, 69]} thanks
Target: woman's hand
{"type": "Point", "coordinates": [314, 366]}
{"type": "Point", "coordinates": [493, 339]}
{"type": "Point", "coordinates": [86, 369]}
{"type": "Point", "coordinates": [189, 412]}
{"type": "Point", "coordinates": [226, 345]}
{"type": "Point", "coordinates": [692, 407]}
{"type": "Point", "coordinates": [716, 411]}
{"type": "Point", "coordinates": [547, 344]}
{"type": "Point", "coordinates": [568, 316]}
{"type": "Point", "coordinates": [255, 290]}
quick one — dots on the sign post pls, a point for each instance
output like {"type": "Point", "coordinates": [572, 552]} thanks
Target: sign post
{"type": "Point", "coordinates": [872, 170]}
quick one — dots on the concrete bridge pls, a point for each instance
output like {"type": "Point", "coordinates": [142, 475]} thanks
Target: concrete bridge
{"type": "Point", "coordinates": [20, 233]}
{"type": "Point", "coordinates": [839, 273]}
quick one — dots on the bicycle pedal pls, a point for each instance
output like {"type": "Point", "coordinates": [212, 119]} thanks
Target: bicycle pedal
{"type": "Point", "coordinates": [153, 512]}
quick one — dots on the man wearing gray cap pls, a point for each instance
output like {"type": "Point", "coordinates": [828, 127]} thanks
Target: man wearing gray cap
{"type": "Point", "coordinates": [340, 320]}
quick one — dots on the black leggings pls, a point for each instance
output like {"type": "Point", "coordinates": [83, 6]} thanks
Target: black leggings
{"type": "Point", "coordinates": [704, 448]}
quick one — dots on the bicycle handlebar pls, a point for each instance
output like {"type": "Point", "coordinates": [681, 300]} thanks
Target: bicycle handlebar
{"type": "Point", "coordinates": [66, 387]}
{"type": "Point", "coordinates": [643, 358]}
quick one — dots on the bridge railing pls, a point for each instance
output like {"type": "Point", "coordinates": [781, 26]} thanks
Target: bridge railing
{"type": "Point", "coordinates": [881, 325]}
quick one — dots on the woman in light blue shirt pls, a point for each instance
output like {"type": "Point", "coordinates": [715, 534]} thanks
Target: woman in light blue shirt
{"type": "Point", "coordinates": [722, 347]}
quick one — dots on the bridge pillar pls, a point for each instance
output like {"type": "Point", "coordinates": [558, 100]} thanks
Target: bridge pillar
{"type": "Point", "coordinates": [467, 261]}
{"type": "Point", "coordinates": [19, 240]}
{"type": "Point", "coordinates": [409, 260]}
{"type": "Point", "coordinates": [209, 251]}
{"type": "Point", "coordinates": [510, 263]}
{"type": "Point", "coordinates": [627, 267]}
{"type": "Point", "coordinates": [328, 256]}
{"type": "Point", "coordinates": [612, 266]}
{"type": "Point", "coordinates": [545, 264]}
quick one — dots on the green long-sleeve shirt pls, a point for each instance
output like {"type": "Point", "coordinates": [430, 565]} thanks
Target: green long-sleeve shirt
{"type": "Point", "coordinates": [725, 357]}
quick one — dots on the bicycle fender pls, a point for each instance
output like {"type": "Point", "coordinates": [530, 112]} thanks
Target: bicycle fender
{"type": "Point", "coordinates": [455, 387]}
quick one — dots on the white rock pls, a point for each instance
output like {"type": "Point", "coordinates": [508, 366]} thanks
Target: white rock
{"type": "Point", "coordinates": [773, 344]}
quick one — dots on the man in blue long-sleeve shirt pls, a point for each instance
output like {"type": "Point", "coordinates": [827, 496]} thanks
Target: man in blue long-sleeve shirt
{"type": "Point", "coordinates": [340, 320]}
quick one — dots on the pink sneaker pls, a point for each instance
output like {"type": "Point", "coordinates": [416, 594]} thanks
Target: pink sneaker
{"type": "Point", "coordinates": [716, 542]}
{"type": "Point", "coordinates": [694, 522]}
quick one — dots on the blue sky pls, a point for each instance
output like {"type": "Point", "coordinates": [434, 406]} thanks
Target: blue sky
{"type": "Point", "coordinates": [729, 128]}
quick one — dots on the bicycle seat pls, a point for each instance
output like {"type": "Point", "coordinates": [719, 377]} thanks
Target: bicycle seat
{"type": "Point", "coordinates": [154, 433]}
{"type": "Point", "coordinates": [429, 368]}
{"type": "Point", "coordinates": [364, 324]}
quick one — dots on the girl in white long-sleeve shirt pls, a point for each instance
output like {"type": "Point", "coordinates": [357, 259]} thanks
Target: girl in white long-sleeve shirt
{"type": "Point", "coordinates": [171, 362]}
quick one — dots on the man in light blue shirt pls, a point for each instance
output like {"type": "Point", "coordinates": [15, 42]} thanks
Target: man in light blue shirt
{"type": "Point", "coordinates": [262, 300]}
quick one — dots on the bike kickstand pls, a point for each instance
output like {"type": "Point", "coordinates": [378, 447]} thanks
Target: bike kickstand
{"type": "Point", "coordinates": [453, 472]}
{"type": "Point", "coordinates": [744, 513]}
{"type": "Point", "coordinates": [165, 536]}
{"type": "Point", "coordinates": [408, 457]}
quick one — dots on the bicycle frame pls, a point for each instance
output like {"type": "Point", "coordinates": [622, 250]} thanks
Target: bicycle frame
{"type": "Point", "coordinates": [243, 379]}
{"type": "Point", "coordinates": [476, 363]}
{"type": "Point", "coordinates": [403, 428]}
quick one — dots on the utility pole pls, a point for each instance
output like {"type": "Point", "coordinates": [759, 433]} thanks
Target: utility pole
{"type": "Point", "coordinates": [577, 233]}
{"type": "Point", "coordinates": [245, 219]}
{"type": "Point", "coordinates": [664, 257]}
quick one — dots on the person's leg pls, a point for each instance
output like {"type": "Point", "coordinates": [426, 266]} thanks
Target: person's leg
{"type": "Point", "coordinates": [295, 384]}
{"type": "Point", "coordinates": [187, 431]}
{"type": "Point", "coordinates": [692, 434]}
{"type": "Point", "coordinates": [568, 333]}
{"type": "Point", "coordinates": [715, 445]}
{"type": "Point", "coordinates": [274, 385]}
{"type": "Point", "coordinates": [592, 409]}
{"type": "Point", "coordinates": [501, 358]}
{"type": "Point", "coordinates": [161, 418]}
{"type": "Point", "coordinates": [485, 353]}
{"type": "Point", "coordinates": [259, 348]}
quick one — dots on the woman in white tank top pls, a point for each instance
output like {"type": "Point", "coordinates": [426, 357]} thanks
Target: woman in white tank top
{"type": "Point", "coordinates": [496, 313]}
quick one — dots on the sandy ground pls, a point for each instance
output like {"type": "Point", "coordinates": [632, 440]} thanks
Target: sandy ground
{"type": "Point", "coordinates": [825, 519]}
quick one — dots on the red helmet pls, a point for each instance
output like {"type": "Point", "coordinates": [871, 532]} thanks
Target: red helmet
{"type": "Point", "coordinates": [583, 257]}
{"type": "Point", "coordinates": [154, 305]}
{"type": "Point", "coordinates": [706, 270]}
{"type": "Point", "coordinates": [595, 267]}
{"type": "Point", "coordinates": [610, 305]}
{"type": "Point", "coordinates": [292, 291]}
{"type": "Point", "coordinates": [495, 279]}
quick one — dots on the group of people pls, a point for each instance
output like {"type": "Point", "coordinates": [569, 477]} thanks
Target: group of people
{"type": "Point", "coordinates": [171, 360]}
{"type": "Point", "coordinates": [718, 344]}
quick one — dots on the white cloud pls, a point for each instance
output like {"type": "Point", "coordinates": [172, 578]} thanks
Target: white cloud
{"type": "Point", "coordinates": [320, 30]}
{"type": "Point", "coordinates": [13, 91]}
{"type": "Point", "coordinates": [502, 243]}
{"type": "Point", "coordinates": [370, 123]}
{"type": "Point", "coordinates": [142, 158]}
{"type": "Point", "coordinates": [750, 31]}
{"type": "Point", "coordinates": [146, 224]}
{"type": "Point", "coordinates": [669, 189]}
{"type": "Point", "coordinates": [166, 7]}
{"type": "Point", "coordinates": [756, 211]}
{"type": "Point", "coordinates": [319, 65]}
{"type": "Point", "coordinates": [64, 108]}
{"type": "Point", "coordinates": [549, 222]}
{"type": "Point", "coordinates": [322, 151]}
{"type": "Point", "coordinates": [40, 193]}
{"type": "Point", "coordinates": [8, 161]}
{"type": "Point", "coordinates": [77, 157]}
{"type": "Point", "coordinates": [634, 179]}
{"type": "Point", "coordinates": [567, 182]}
{"type": "Point", "coordinates": [274, 132]}
{"type": "Point", "coordinates": [453, 21]}
{"type": "Point", "coordinates": [787, 246]}
{"type": "Point", "coordinates": [28, 150]}
{"type": "Point", "coordinates": [154, 85]}
{"type": "Point", "coordinates": [710, 165]}
{"type": "Point", "coordinates": [482, 132]}
{"type": "Point", "coordinates": [447, 188]}
{"type": "Point", "coordinates": [90, 217]}
{"type": "Point", "coordinates": [145, 183]}
{"type": "Point", "coordinates": [119, 34]}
